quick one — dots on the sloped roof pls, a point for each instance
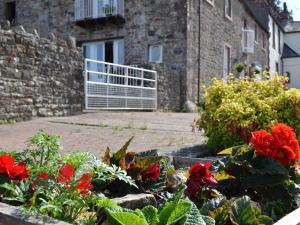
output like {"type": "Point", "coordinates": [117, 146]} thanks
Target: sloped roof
{"type": "Point", "coordinates": [259, 13]}
{"type": "Point", "coordinates": [288, 52]}
{"type": "Point", "coordinates": [293, 26]}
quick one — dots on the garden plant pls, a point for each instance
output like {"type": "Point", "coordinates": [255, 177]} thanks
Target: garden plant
{"type": "Point", "coordinates": [79, 188]}
{"type": "Point", "coordinates": [234, 109]}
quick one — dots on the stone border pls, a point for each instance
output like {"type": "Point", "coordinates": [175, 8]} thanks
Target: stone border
{"type": "Point", "coordinates": [13, 216]}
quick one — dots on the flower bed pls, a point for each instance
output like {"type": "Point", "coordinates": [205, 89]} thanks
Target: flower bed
{"type": "Point", "coordinates": [234, 189]}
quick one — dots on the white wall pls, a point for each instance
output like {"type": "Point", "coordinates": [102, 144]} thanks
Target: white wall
{"type": "Point", "coordinates": [274, 53]}
{"type": "Point", "coordinates": [292, 65]}
{"type": "Point", "coordinates": [293, 40]}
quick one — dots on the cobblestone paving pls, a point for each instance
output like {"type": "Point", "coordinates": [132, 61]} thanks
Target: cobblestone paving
{"type": "Point", "coordinates": [94, 131]}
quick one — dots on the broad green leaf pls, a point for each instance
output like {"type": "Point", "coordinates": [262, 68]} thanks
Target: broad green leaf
{"type": "Point", "coordinates": [151, 215]}
{"type": "Point", "coordinates": [126, 218]}
{"type": "Point", "coordinates": [212, 205]}
{"type": "Point", "coordinates": [194, 217]}
{"type": "Point", "coordinates": [180, 211]}
{"type": "Point", "coordinates": [169, 207]}
{"type": "Point", "coordinates": [208, 220]}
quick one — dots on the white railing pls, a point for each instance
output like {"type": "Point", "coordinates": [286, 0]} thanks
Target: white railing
{"type": "Point", "coordinates": [87, 9]}
{"type": "Point", "coordinates": [114, 86]}
{"type": "Point", "coordinates": [248, 37]}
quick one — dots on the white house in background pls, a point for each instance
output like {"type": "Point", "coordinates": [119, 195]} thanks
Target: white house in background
{"type": "Point", "coordinates": [291, 53]}
{"type": "Point", "coordinates": [276, 40]}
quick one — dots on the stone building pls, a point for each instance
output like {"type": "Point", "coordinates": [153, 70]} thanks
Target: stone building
{"type": "Point", "coordinates": [186, 41]}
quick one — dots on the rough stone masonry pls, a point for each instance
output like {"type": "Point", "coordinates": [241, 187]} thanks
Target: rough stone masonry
{"type": "Point", "coordinates": [38, 76]}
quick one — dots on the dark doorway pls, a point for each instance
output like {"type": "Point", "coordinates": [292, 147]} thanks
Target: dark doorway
{"type": "Point", "coordinates": [10, 11]}
{"type": "Point", "coordinates": [109, 52]}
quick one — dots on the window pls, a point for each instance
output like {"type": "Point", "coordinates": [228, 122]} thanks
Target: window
{"type": "Point", "coordinates": [277, 67]}
{"type": "Point", "coordinates": [227, 61]}
{"type": "Point", "coordinates": [288, 75]}
{"type": "Point", "coordinates": [155, 53]}
{"type": "Point", "coordinates": [228, 9]}
{"type": "Point", "coordinates": [263, 40]}
{"type": "Point", "coordinates": [211, 2]}
{"type": "Point", "coordinates": [279, 40]}
{"type": "Point", "coordinates": [256, 33]}
{"type": "Point", "coordinates": [10, 11]}
{"type": "Point", "coordinates": [273, 35]}
{"type": "Point", "coordinates": [105, 51]}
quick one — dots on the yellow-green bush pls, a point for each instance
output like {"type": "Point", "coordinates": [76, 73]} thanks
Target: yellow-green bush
{"type": "Point", "coordinates": [235, 109]}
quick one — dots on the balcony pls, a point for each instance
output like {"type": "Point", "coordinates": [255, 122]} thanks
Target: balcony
{"type": "Point", "coordinates": [92, 12]}
{"type": "Point", "coordinates": [248, 41]}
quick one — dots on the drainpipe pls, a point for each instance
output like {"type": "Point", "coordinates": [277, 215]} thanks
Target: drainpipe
{"type": "Point", "coordinates": [199, 51]}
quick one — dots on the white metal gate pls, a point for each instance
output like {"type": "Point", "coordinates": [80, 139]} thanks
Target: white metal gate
{"type": "Point", "coordinates": [114, 86]}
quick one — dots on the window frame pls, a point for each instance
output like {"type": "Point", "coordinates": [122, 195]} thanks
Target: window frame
{"type": "Point", "coordinates": [150, 48]}
{"type": "Point", "coordinates": [211, 2]}
{"type": "Point", "coordinates": [273, 36]}
{"type": "Point", "coordinates": [256, 34]}
{"type": "Point", "coordinates": [229, 63]}
{"type": "Point", "coordinates": [229, 17]}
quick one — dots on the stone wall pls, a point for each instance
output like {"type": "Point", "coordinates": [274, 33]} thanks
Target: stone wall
{"type": "Point", "coordinates": [146, 23]}
{"type": "Point", "coordinates": [216, 31]}
{"type": "Point", "coordinates": [38, 76]}
{"type": "Point", "coordinates": [172, 23]}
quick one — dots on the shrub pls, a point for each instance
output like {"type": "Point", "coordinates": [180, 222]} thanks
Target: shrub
{"type": "Point", "coordinates": [235, 109]}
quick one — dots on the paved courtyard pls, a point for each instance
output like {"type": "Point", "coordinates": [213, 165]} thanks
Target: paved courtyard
{"type": "Point", "coordinates": [94, 131]}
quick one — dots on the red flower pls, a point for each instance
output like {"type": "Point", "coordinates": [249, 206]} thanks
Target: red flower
{"type": "Point", "coordinates": [262, 141]}
{"type": "Point", "coordinates": [281, 145]}
{"type": "Point", "coordinates": [66, 173]}
{"type": "Point", "coordinates": [151, 173]}
{"type": "Point", "coordinates": [85, 184]}
{"type": "Point", "coordinates": [7, 168]}
{"type": "Point", "coordinates": [43, 176]}
{"type": "Point", "coordinates": [199, 177]}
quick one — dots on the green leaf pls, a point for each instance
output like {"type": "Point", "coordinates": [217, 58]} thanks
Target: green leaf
{"type": "Point", "coordinates": [243, 213]}
{"type": "Point", "coordinates": [121, 153]}
{"type": "Point", "coordinates": [208, 220]}
{"type": "Point", "coordinates": [180, 211]}
{"type": "Point", "coordinates": [169, 206]}
{"type": "Point", "coordinates": [194, 217]}
{"type": "Point", "coordinates": [212, 205]}
{"type": "Point", "coordinates": [126, 218]}
{"type": "Point", "coordinates": [151, 215]}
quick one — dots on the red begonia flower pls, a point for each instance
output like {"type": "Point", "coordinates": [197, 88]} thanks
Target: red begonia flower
{"type": "Point", "coordinates": [262, 141]}
{"type": "Point", "coordinates": [281, 145]}
{"type": "Point", "coordinates": [151, 173]}
{"type": "Point", "coordinates": [200, 176]}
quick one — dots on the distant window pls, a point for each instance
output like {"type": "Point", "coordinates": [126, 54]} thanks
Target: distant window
{"type": "Point", "coordinates": [263, 40]}
{"type": "Point", "coordinates": [273, 35]}
{"type": "Point", "coordinates": [227, 61]}
{"type": "Point", "coordinates": [288, 75]}
{"type": "Point", "coordinates": [277, 67]}
{"type": "Point", "coordinates": [256, 33]}
{"type": "Point", "coordinates": [211, 2]}
{"type": "Point", "coordinates": [228, 9]}
{"type": "Point", "coordinates": [279, 44]}
{"type": "Point", "coordinates": [155, 54]}
{"type": "Point", "coordinates": [10, 11]}
{"type": "Point", "coordinates": [245, 24]}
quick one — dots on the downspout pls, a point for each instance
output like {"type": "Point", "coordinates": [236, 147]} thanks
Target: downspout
{"type": "Point", "coordinates": [199, 51]}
